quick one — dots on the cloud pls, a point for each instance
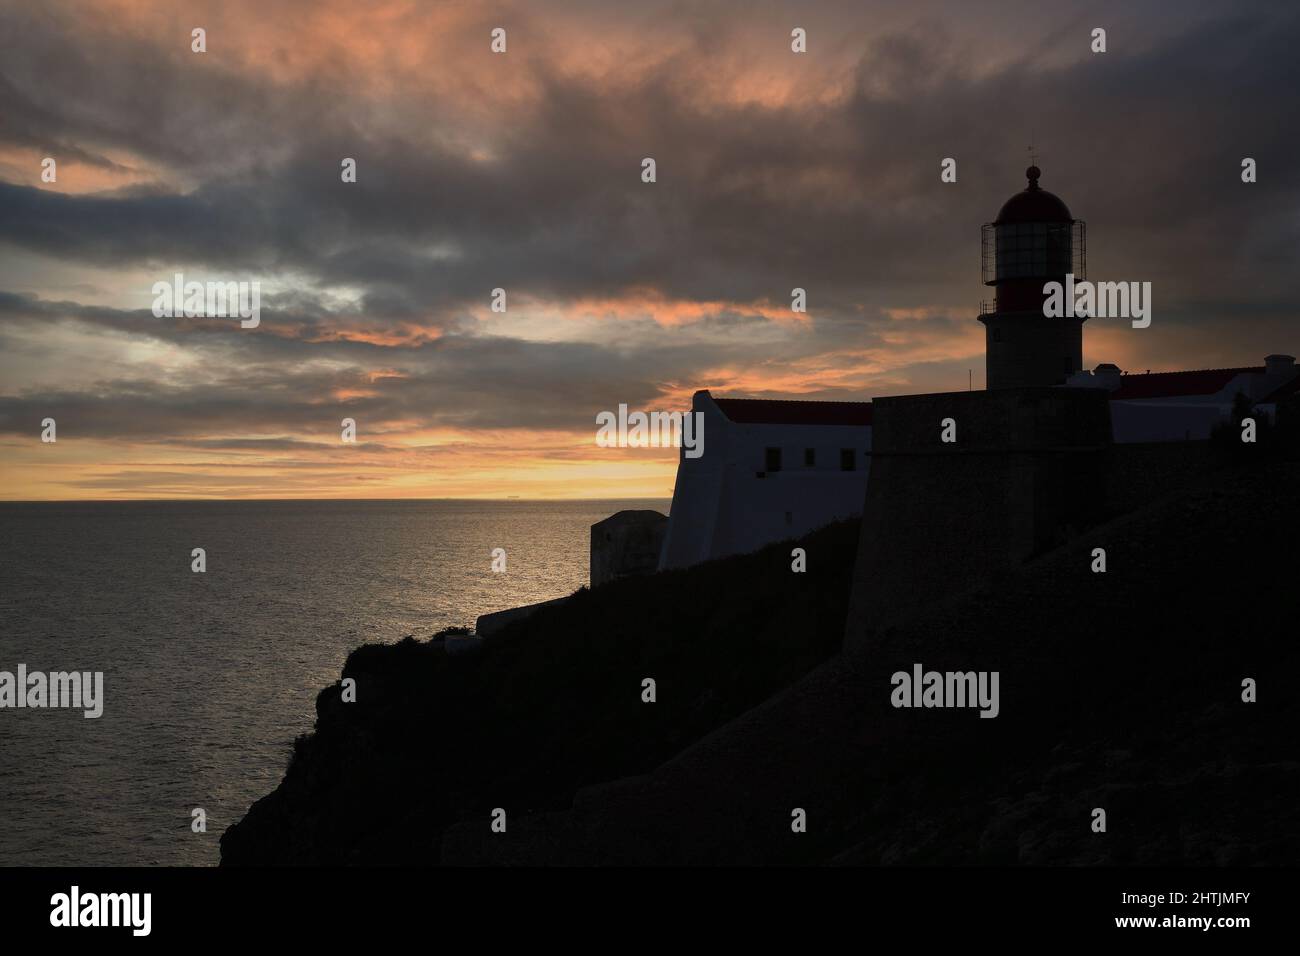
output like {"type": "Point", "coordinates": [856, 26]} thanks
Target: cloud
{"type": "Point", "coordinates": [522, 172]}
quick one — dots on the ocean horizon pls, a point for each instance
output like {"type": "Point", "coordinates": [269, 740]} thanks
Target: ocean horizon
{"type": "Point", "coordinates": [209, 677]}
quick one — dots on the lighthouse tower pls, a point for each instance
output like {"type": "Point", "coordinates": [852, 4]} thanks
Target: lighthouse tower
{"type": "Point", "coordinates": [1033, 241]}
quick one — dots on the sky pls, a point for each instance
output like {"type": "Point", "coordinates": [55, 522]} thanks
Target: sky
{"type": "Point", "coordinates": [522, 171]}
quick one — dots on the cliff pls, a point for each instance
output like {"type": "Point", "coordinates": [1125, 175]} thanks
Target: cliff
{"type": "Point", "coordinates": [551, 704]}
{"type": "Point", "coordinates": [1119, 690]}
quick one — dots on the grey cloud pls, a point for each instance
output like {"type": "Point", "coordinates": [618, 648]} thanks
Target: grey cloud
{"type": "Point", "coordinates": [842, 198]}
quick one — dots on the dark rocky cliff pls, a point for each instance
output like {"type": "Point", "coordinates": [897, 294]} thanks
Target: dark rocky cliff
{"type": "Point", "coordinates": [551, 704]}
{"type": "Point", "coordinates": [1119, 690]}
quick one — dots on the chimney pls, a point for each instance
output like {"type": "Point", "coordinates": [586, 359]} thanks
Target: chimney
{"type": "Point", "coordinates": [1107, 376]}
{"type": "Point", "coordinates": [1279, 364]}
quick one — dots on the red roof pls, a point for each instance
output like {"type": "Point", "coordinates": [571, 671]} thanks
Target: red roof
{"type": "Point", "coordinates": [1171, 384]}
{"type": "Point", "coordinates": [1209, 381]}
{"type": "Point", "coordinates": [762, 411]}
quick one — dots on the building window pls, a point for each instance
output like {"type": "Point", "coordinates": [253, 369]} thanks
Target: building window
{"type": "Point", "coordinates": [848, 460]}
{"type": "Point", "coordinates": [789, 517]}
{"type": "Point", "coordinates": [810, 457]}
{"type": "Point", "coordinates": [997, 335]}
{"type": "Point", "coordinates": [772, 460]}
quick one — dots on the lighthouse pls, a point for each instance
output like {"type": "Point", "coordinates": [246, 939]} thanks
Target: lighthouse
{"type": "Point", "coordinates": [1033, 241]}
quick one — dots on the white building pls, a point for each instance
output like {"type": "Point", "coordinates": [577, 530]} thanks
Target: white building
{"type": "Point", "coordinates": [1185, 406]}
{"type": "Point", "coordinates": [770, 470]}
{"type": "Point", "coordinates": [773, 470]}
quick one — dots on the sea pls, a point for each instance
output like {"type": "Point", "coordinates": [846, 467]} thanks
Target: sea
{"type": "Point", "coordinates": [209, 677]}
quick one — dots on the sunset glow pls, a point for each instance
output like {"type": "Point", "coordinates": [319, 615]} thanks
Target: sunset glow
{"type": "Point", "coordinates": [522, 172]}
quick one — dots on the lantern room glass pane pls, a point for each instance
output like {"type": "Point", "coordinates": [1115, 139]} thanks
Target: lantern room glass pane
{"type": "Point", "coordinates": [1033, 250]}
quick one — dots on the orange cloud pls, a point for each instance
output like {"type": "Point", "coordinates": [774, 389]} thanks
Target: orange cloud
{"type": "Point", "coordinates": [650, 303]}
{"type": "Point", "coordinates": [401, 335]}
{"type": "Point", "coordinates": [74, 175]}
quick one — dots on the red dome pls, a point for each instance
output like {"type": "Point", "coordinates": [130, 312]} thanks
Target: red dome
{"type": "Point", "coordinates": [1034, 204]}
